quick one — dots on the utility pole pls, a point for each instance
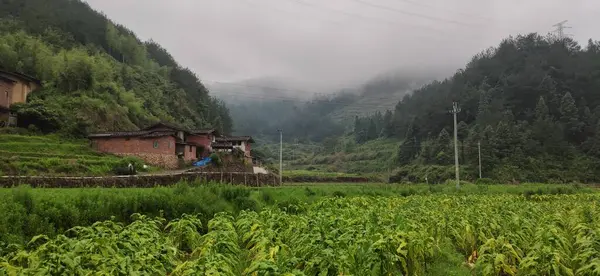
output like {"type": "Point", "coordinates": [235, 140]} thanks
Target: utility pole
{"type": "Point", "coordinates": [454, 111]}
{"type": "Point", "coordinates": [280, 155]}
{"type": "Point", "coordinates": [479, 153]}
{"type": "Point", "coordinates": [560, 29]}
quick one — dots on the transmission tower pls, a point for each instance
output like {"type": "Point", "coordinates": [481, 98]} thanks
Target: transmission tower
{"type": "Point", "coordinates": [560, 29]}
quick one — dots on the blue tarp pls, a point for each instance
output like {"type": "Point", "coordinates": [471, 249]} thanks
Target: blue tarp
{"type": "Point", "coordinates": [203, 162]}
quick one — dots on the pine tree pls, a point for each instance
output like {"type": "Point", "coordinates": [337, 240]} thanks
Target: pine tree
{"type": "Point", "coordinates": [463, 132]}
{"type": "Point", "coordinates": [444, 135]}
{"type": "Point", "coordinates": [483, 109]}
{"type": "Point", "coordinates": [360, 135]}
{"type": "Point", "coordinates": [387, 124]}
{"type": "Point", "coordinates": [444, 150]}
{"type": "Point", "coordinates": [569, 118]}
{"type": "Point", "coordinates": [592, 145]}
{"type": "Point", "coordinates": [541, 110]}
{"type": "Point", "coordinates": [372, 130]}
{"type": "Point", "coordinates": [545, 132]}
{"type": "Point", "coordinates": [409, 147]}
{"type": "Point", "coordinates": [488, 157]}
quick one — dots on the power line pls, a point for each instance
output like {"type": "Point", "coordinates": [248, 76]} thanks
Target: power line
{"type": "Point", "coordinates": [253, 4]}
{"type": "Point", "coordinates": [381, 7]}
{"type": "Point", "coordinates": [381, 21]}
{"type": "Point", "coordinates": [443, 9]}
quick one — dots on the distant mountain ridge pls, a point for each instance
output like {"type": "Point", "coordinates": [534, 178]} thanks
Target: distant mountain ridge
{"type": "Point", "coordinates": [261, 106]}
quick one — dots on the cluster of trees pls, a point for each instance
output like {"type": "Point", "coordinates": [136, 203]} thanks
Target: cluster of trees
{"type": "Point", "coordinates": [532, 103]}
{"type": "Point", "coordinates": [98, 75]}
{"type": "Point", "coordinates": [301, 122]}
{"type": "Point", "coordinates": [372, 127]}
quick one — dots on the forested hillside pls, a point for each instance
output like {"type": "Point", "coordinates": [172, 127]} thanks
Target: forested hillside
{"type": "Point", "coordinates": [97, 75]}
{"type": "Point", "coordinates": [532, 103]}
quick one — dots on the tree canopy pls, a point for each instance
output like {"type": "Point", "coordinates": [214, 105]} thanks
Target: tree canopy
{"type": "Point", "coordinates": [532, 102]}
{"type": "Point", "coordinates": [98, 73]}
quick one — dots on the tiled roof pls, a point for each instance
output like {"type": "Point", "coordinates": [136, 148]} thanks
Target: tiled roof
{"type": "Point", "coordinates": [224, 145]}
{"type": "Point", "coordinates": [235, 139]}
{"type": "Point", "coordinates": [158, 134]}
{"type": "Point", "coordinates": [120, 134]}
{"type": "Point", "coordinates": [139, 133]}
{"type": "Point", "coordinates": [202, 131]}
{"type": "Point", "coordinates": [165, 125]}
{"type": "Point", "coordinates": [22, 76]}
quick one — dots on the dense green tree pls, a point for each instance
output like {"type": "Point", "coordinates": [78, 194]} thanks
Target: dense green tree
{"type": "Point", "coordinates": [569, 117]}
{"type": "Point", "coordinates": [514, 102]}
{"type": "Point", "coordinates": [592, 145]}
{"type": "Point", "coordinates": [372, 130]}
{"type": "Point", "coordinates": [99, 70]}
{"type": "Point", "coordinates": [387, 124]}
{"type": "Point", "coordinates": [409, 148]}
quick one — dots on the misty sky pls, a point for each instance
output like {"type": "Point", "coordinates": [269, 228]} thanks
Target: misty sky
{"type": "Point", "coordinates": [337, 42]}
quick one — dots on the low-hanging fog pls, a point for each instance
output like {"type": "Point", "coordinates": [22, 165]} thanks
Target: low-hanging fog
{"type": "Point", "coordinates": [338, 43]}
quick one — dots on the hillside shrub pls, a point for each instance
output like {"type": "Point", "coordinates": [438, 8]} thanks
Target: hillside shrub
{"type": "Point", "coordinates": [216, 160]}
{"type": "Point", "coordinates": [484, 181]}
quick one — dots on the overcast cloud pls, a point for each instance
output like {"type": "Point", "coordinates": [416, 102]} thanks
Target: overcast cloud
{"type": "Point", "coordinates": [338, 42]}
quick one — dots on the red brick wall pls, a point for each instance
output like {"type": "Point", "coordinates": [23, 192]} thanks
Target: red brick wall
{"type": "Point", "coordinates": [205, 140]}
{"type": "Point", "coordinates": [190, 153]}
{"type": "Point", "coordinates": [166, 145]}
{"type": "Point", "coordinates": [163, 156]}
{"type": "Point", "coordinates": [5, 92]}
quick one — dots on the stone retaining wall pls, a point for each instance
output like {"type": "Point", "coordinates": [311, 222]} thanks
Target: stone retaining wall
{"type": "Point", "coordinates": [140, 181]}
{"type": "Point", "coordinates": [168, 161]}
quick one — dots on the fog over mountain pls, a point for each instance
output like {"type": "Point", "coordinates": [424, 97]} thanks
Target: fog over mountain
{"type": "Point", "coordinates": [339, 43]}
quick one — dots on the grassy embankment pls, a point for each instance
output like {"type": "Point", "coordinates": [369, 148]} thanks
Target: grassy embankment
{"type": "Point", "coordinates": [54, 155]}
{"type": "Point", "coordinates": [26, 212]}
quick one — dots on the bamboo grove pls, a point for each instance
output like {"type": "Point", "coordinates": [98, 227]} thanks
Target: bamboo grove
{"type": "Point", "coordinates": [493, 235]}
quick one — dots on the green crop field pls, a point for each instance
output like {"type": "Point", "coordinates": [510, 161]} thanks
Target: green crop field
{"type": "Point", "coordinates": [53, 155]}
{"type": "Point", "coordinates": [193, 229]}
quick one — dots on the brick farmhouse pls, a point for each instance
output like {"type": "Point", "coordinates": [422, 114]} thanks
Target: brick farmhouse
{"type": "Point", "coordinates": [162, 144]}
{"type": "Point", "coordinates": [242, 143]}
{"type": "Point", "coordinates": [14, 88]}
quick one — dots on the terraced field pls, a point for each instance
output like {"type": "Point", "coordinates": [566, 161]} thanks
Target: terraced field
{"type": "Point", "coordinates": [52, 155]}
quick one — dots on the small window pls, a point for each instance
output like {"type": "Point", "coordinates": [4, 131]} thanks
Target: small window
{"type": "Point", "coordinates": [190, 148]}
{"type": "Point", "coordinates": [155, 144]}
{"type": "Point", "coordinates": [170, 144]}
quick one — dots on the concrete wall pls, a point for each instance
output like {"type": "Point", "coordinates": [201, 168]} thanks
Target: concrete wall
{"type": "Point", "coordinates": [260, 170]}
